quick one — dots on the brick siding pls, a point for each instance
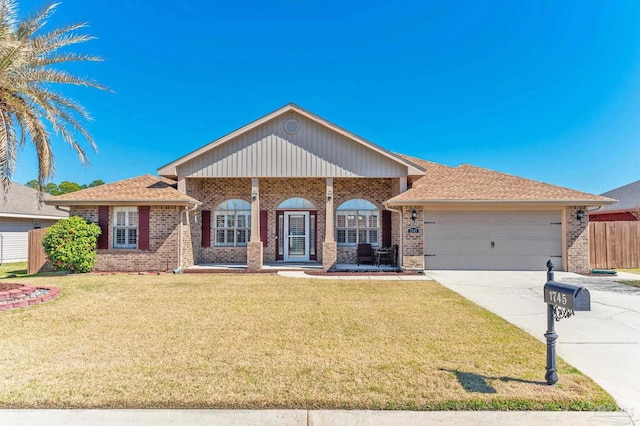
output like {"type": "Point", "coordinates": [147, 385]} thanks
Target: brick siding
{"type": "Point", "coordinates": [413, 244]}
{"type": "Point", "coordinates": [577, 240]}
{"type": "Point", "coordinates": [274, 191]}
{"type": "Point", "coordinates": [163, 253]}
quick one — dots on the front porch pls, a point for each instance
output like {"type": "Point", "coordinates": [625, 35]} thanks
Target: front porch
{"type": "Point", "coordinates": [287, 266]}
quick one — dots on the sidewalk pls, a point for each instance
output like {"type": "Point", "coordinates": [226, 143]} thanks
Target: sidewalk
{"type": "Point", "coordinates": [303, 417]}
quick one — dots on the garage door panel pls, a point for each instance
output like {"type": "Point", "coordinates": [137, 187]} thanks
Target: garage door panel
{"type": "Point", "coordinates": [532, 246]}
{"type": "Point", "coordinates": [452, 261]}
{"type": "Point", "coordinates": [522, 240]}
{"type": "Point", "coordinates": [452, 230]}
{"type": "Point", "coordinates": [455, 246]}
{"type": "Point", "coordinates": [524, 231]}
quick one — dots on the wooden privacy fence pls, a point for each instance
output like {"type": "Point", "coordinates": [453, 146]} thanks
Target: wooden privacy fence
{"type": "Point", "coordinates": [37, 260]}
{"type": "Point", "coordinates": [614, 245]}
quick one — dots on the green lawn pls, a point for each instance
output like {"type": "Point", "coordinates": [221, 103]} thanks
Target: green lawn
{"type": "Point", "coordinates": [264, 341]}
{"type": "Point", "coordinates": [633, 283]}
{"type": "Point", "coordinates": [16, 269]}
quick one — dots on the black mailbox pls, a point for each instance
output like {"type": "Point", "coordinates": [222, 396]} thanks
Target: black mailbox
{"type": "Point", "coordinates": [567, 296]}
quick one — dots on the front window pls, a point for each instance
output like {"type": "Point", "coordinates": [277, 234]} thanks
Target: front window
{"type": "Point", "coordinates": [357, 221]}
{"type": "Point", "coordinates": [125, 227]}
{"type": "Point", "coordinates": [232, 223]}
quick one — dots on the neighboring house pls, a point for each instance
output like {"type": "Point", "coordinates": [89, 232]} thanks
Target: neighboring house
{"type": "Point", "coordinates": [20, 211]}
{"type": "Point", "coordinates": [627, 208]}
{"type": "Point", "coordinates": [294, 187]}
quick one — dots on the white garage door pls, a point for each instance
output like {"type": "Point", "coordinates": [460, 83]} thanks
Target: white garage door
{"type": "Point", "coordinates": [492, 240]}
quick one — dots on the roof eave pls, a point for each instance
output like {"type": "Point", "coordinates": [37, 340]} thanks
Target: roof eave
{"type": "Point", "coordinates": [32, 216]}
{"type": "Point", "coordinates": [600, 212]}
{"type": "Point", "coordinates": [504, 202]}
{"type": "Point", "coordinates": [123, 203]}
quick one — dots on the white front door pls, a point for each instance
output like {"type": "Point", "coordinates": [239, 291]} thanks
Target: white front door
{"type": "Point", "coordinates": [296, 232]}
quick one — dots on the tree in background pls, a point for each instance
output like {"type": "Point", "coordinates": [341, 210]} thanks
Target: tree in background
{"type": "Point", "coordinates": [65, 186]}
{"type": "Point", "coordinates": [30, 109]}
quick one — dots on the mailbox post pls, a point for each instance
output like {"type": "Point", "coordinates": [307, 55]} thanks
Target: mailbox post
{"type": "Point", "coordinates": [562, 301]}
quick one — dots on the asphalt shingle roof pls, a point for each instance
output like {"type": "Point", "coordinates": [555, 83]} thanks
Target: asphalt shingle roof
{"type": "Point", "coordinates": [474, 184]}
{"type": "Point", "coordinates": [628, 197]}
{"type": "Point", "coordinates": [440, 184]}
{"type": "Point", "coordinates": [141, 189]}
{"type": "Point", "coordinates": [22, 200]}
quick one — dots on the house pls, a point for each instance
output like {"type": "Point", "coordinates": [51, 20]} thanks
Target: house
{"type": "Point", "coordinates": [293, 187]}
{"type": "Point", "coordinates": [21, 211]}
{"type": "Point", "coordinates": [626, 209]}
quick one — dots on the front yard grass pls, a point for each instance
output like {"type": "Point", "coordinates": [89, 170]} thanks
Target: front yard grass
{"type": "Point", "coordinates": [264, 341]}
{"type": "Point", "coordinates": [633, 283]}
{"type": "Point", "coordinates": [15, 269]}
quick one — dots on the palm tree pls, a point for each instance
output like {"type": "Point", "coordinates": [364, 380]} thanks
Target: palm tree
{"type": "Point", "coordinates": [30, 109]}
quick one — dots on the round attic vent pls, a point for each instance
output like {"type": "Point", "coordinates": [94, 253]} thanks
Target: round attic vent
{"type": "Point", "coordinates": [291, 126]}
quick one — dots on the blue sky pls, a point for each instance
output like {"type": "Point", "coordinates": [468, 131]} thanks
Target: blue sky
{"type": "Point", "coordinates": [547, 90]}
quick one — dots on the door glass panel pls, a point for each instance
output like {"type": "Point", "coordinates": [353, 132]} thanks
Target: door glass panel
{"type": "Point", "coordinates": [280, 234]}
{"type": "Point", "coordinates": [296, 225]}
{"type": "Point", "coordinates": [297, 238]}
{"type": "Point", "coordinates": [312, 235]}
{"type": "Point", "coordinates": [296, 246]}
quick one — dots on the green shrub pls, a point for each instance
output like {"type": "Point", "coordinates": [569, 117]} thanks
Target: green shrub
{"type": "Point", "coordinates": [70, 244]}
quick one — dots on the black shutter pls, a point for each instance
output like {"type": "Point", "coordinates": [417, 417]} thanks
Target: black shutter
{"type": "Point", "coordinates": [103, 223]}
{"type": "Point", "coordinates": [386, 228]}
{"type": "Point", "coordinates": [143, 227]}
{"type": "Point", "coordinates": [206, 228]}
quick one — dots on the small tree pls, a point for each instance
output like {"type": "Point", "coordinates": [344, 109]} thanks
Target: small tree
{"type": "Point", "coordinates": [70, 244]}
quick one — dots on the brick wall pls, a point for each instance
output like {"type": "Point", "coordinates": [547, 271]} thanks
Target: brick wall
{"type": "Point", "coordinates": [274, 191]}
{"type": "Point", "coordinates": [376, 191]}
{"type": "Point", "coordinates": [413, 244]}
{"type": "Point", "coordinates": [577, 240]}
{"type": "Point", "coordinates": [187, 245]}
{"type": "Point", "coordinates": [163, 253]}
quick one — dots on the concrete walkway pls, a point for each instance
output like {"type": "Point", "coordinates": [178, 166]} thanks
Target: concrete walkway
{"type": "Point", "coordinates": [603, 343]}
{"type": "Point", "coordinates": [372, 277]}
{"type": "Point", "coordinates": [303, 418]}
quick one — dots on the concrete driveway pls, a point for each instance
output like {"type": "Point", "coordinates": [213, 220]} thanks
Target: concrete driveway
{"type": "Point", "coordinates": [603, 343]}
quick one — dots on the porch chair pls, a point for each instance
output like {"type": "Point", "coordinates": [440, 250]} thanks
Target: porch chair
{"type": "Point", "coordinates": [365, 254]}
{"type": "Point", "coordinates": [388, 256]}
{"type": "Point", "coordinates": [394, 255]}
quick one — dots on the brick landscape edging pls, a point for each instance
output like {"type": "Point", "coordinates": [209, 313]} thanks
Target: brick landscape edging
{"type": "Point", "coordinates": [19, 292]}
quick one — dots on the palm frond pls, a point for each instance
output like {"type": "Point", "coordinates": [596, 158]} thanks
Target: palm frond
{"type": "Point", "coordinates": [64, 57]}
{"type": "Point", "coordinates": [8, 17]}
{"type": "Point", "coordinates": [49, 75]}
{"type": "Point", "coordinates": [29, 109]}
{"type": "Point", "coordinates": [49, 43]}
{"type": "Point", "coordinates": [59, 112]}
{"type": "Point", "coordinates": [30, 26]}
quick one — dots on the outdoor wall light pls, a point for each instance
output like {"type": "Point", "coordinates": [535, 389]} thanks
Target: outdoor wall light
{"type": "Point", "coordinates": [414, 215]}
{"type": "Point", "coordinates": [254, 195]}
{"type": "Point", "coordinates": [329, 195]}
{"type": "Point", "coordinates": [580, 215]}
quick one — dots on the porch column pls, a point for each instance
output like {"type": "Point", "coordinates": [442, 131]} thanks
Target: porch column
{"type": "Point", "coordinates": [329, 247]}
{"type": "Point", "coordinates": [254, 246]}
{"type": "Point", "coordinates": [402, 184]}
